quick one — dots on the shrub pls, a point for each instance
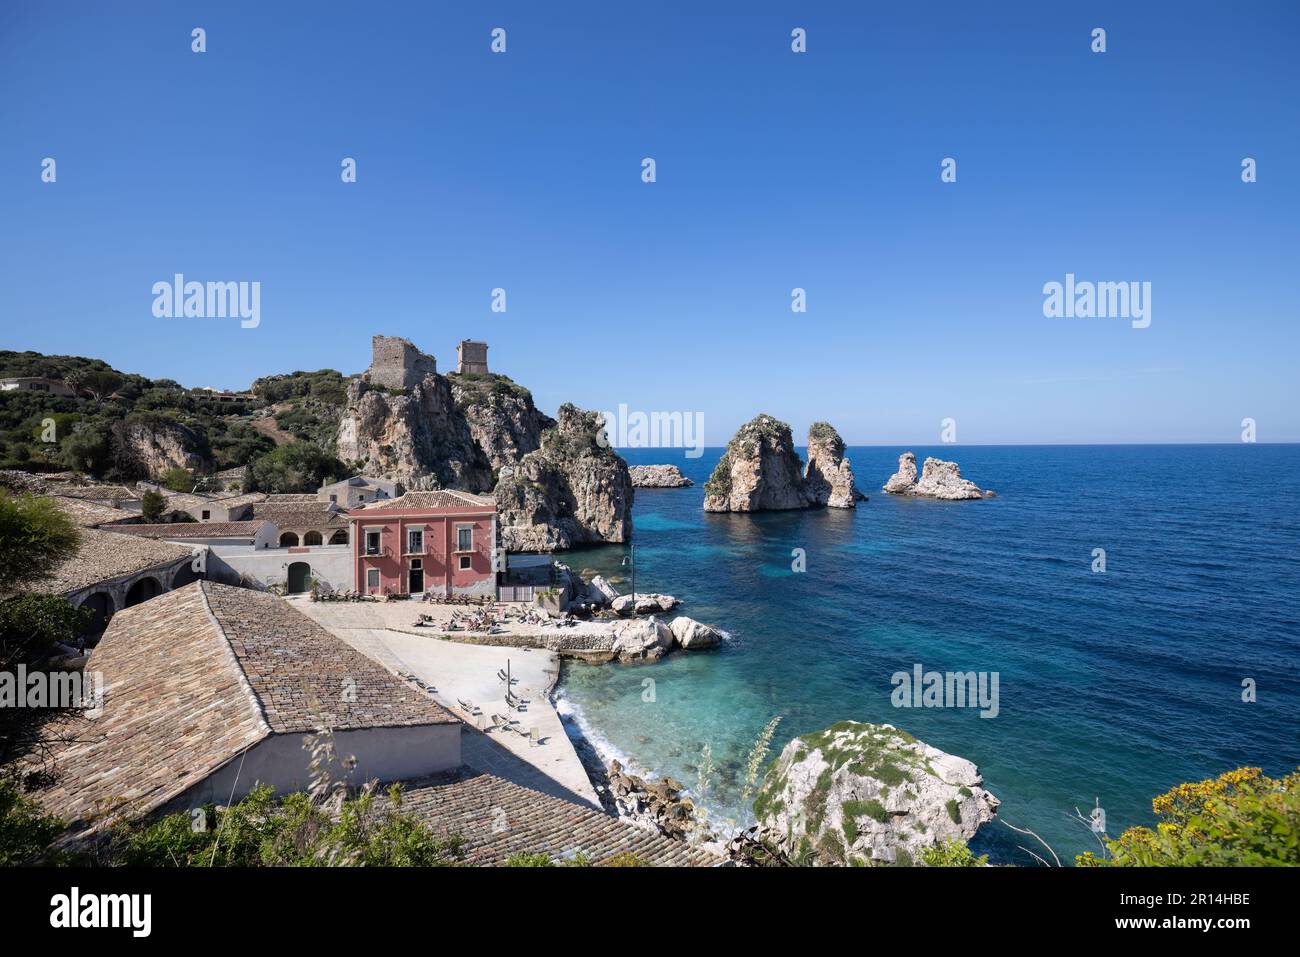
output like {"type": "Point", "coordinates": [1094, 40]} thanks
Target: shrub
{"type": "Point", "coordinates": [952, 853]}
{"type": "Point", "coordinates": [1242, 818]}
{"type": "Point", "coordinates": [25, 829]}
{"type": "Point", "coordinates": [35, 538]}
{"type": "Point", "coordinates": [522, 859]}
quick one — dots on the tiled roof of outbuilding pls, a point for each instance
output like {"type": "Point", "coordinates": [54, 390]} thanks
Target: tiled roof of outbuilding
{"type": "Point", "coordinates": [497, 818]}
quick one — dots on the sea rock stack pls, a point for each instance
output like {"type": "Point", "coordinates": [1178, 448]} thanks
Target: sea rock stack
{"type": "Point", "coordinates": [658, 476]}
{"type": "Point", "coordinates": [904, 480]}
{"type": "Point", "coordinates": [939, 479]}
{"type": "Point", "coordinates": [828, 474]}
{"type": "Point", "coordinates": [868, 794]}
{"type": "Point", "coordinates": [760, 471]}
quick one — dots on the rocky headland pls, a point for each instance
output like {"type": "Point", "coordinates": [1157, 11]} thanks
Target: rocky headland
{"type": "Point", "coordinates": [555, 485]}
{"type": "Point", "coordinates": [868, 794]}
{"type": "Point", "coordinates": [760, 471]}
{"type": "Point", "coordinates": [658, 476]}
{"type": "Point", "coordinates": [939, 479]}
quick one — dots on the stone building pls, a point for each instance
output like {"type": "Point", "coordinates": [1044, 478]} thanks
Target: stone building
{"type": "Point", "coordinates": [395, 363]}
{"type": "Point", "coordinates": [471, 356]}
{"type": "Point", "coordinates": [209, 691]}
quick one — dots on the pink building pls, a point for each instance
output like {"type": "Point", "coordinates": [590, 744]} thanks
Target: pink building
{"type": "Point", "coordinates": [440, 542]}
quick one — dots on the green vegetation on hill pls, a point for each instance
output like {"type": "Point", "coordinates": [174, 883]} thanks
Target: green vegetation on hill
{"type": "Point", "coordinates": [90, 433]}
{"type": "Point", "coordinates": [486, 384]}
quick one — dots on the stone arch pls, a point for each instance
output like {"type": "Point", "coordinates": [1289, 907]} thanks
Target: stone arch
{"type": "Point", "coordinates": [312, 538]}
{"type": "Point", "coordinates": [101, 607]}
{"type": "Point", "coordinates": [340, 537]}
{"type": "Point", "coordinates": [289, 540]}
{"type": "Point", "coordinates": [184, 575]}
{"type": "Point", "coordinates": [144, 589]}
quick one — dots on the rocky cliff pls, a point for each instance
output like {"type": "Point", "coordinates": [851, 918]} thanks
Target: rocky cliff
{"type": "Point", "coordinates": [828, 474]}
{"type": "Point", "coordinates": [868, 794]}
{"type": "Point", "coordinates": [415, 436]}
{"type": "Point", "coordinates": [760, 471]}
{"type": "Point", "coordinates": [939, 479]}
{"type": "Point", "coordinates": [150, 445]}
{"type": "Point", "coordinates": [570, 491]}
{"type": "Point", "coordinates": [501, 416]}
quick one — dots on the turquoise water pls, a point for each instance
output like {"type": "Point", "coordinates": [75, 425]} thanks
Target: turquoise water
{"type": "Point", "coordinates": [1112, 686]}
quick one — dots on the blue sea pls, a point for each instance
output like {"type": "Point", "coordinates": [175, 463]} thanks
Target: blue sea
{"type": "Point", "coordinates": [1113, 686]}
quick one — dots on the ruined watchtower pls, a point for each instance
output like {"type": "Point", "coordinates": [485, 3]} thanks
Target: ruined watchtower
{"type": "Point", "coordinates": [395, 363]}
{"type": "Point", "coordinates": [471, 356]}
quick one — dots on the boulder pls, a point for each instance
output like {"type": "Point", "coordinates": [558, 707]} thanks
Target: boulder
{"type": "Point", "coordinates": [691, 634]}
{"type": "Point", "coordinates": [868, 794]}
{"type": "Point", "coordinates": [600, 591]}
{"type": "Point", "coordinates": [646, 604]}
{"type": "Point", "coordinates": [828, 474]}
{"type": "Point", "coordinates": [658, 476]}
{"type": "Point", "coordinates": [643, 639]}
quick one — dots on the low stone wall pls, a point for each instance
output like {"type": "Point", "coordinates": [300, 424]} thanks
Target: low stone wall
{"type": "Point", "coordinates": [594, 648]}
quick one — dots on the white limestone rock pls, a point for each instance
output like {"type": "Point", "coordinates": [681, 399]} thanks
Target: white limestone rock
{"type": "Point", "coordinates": [658, 476]}
{"type": "Point", "coordinates": [864, 793]}
{"type": "Point", "coordinates": [646, 604]}
{"type": "Point", "coordinates": [600, 591]}
{"type": "Point", "coordinates": [904, 480]}
{"type": "Point", "coordinates": [643, 639]}
{"type": "Point", "coordinates": [692, 635]}
{"type": "Point", "coordinates": [828, 475]}
{"type": "Point", "coordinates": [939, 479]}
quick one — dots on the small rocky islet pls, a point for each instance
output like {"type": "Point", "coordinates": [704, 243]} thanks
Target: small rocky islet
{"type": "Point", "coordinates": [658, 476]}
{"type": "Point", "coordinates": [939, 480]}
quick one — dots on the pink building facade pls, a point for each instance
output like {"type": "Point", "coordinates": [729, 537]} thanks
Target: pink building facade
{"type": "Point", "coordinates": [441, 542]}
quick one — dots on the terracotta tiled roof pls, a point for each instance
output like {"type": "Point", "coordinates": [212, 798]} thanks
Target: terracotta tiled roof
{"type": "Point", "coordinates": [196, 676]}
{"type": "Point", "coordinates": [248, 498]}
{"type": "Point", "coordinates": [440, 498]}
{"type": "Point", "coordinates": [282, 498]}
{"type": "Point", "coordinates": [284, 652]}
{"type": "Point", "coordinates": [300, 514]}
{"type": "Point", "coordinates": [497, 818]}
{"type": "Point", "coordinates": [89, 514]}
{"type": "Point", "coordinates": [194, 529]}
{"type": "Point", "coordinates": [103, 493]}
{"type": "Point", "coordinates": [103, 556]}
{"type": "Point", "coordinates": [176, 708]}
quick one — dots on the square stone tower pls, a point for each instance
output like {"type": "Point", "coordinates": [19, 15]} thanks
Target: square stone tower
{"type": "Point", "coordinates": [471, 356]}
{"type": "Point", "coordinates": [395, 363]}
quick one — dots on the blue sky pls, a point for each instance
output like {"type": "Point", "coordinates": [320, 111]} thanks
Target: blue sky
{"type": "Point", "coordinates": [775, 170]}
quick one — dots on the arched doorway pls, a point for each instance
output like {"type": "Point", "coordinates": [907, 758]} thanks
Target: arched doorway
{"type": "Point", "coordinates": [340, 537]}
{"type": "Point", "coordinates": [289, 540]}
{"type": "Point", "coordinates": [299, 572]}
{"type": "Point", "coordinates": [143, 590]}
{"type": "Point", "coordinates": [100, 606]}
{"type": "Point", "coordinates": [312, 538]}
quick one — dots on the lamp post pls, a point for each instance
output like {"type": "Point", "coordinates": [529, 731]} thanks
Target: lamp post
{"type": "Point", "coordinates": [629, 561]}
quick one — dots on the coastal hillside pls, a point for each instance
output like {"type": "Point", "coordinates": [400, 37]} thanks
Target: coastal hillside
{"type": "Point", "coordinates": [400, 420]}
